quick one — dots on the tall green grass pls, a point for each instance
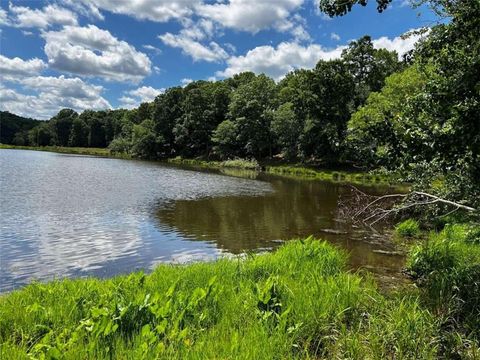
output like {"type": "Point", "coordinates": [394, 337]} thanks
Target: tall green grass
{"type": "Point", "coordinates": [297, 302]}
{"type": "Point", "coordinates": [227, 164]}
{"type": "Point", "coordinates": [408, 228]}
{"type": "Point", "coordinates": [447, 268]}
{"type": "Point", "coordinates": [330, 175]}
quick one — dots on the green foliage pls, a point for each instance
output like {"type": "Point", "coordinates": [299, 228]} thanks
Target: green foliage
{"type": "Point", "coordinates": [42, 135]}
{"type": "Point", "coordinates": [408, 228]}
{"type": "Point", "coordinates": [14, 127]}
{"type": "Point", "coordinates": [378, 132]}
{"type": "Point", "coordinates": [62, 126]}
{"type": "Point", "coordinates": [287, 130]}
{"type": "Point", "coordinates": [424, 121]}
{"type": "Point", "coordinates": [294, 303]}
{"type": "Point", "coordinates": [120, 145]}
{"type": "Point", "coordinates": [250, 109]}
{"type": "Point", "coordinates": [226, 164]}
{"type": "Point", "coordinates": [204, 106]}
{"type": "Point", "coordinates": [225, 139]}
{"type": "Point", "coordinates": [146, 143]}
{"type": "Point", "coordinates": [78, 133]}
{"type": "Point", "coordinates": [343, 7]}
{"type": "Point", "coordinates": [368, 66]}
{"type": "Point", "coordinates": [447, 267]}
{"type": "Point", "coordinates": [325, 126]}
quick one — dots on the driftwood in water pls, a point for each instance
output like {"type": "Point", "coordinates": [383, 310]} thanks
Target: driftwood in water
{"type": "Point", "coordinates": [370, 209]}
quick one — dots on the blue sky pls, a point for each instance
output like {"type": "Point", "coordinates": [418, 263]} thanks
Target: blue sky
{"type": "Point", "coordinates": [117, 53]}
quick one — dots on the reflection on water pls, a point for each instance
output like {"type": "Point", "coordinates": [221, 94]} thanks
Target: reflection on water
{"type": "Point", "coordinates": [294, 209]}
{"type": "Point", "coordinates": [64, 216]}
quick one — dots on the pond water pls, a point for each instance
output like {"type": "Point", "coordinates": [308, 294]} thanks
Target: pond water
{"type": "Point", "coordinates": [72, 216]}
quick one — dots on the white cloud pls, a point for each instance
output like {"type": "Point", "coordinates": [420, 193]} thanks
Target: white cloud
{"type": "Point", "coordinates": [154, 10]}
{"type": "Point", "coordinates": [211, 52]}
{"type": "Point", "coordinates": [186, 81]}
{"type": "Point", "coordinates": [399, 44]}
{"type": "Point", "coordinates": [146, 93]}
{"type": "Point", "coordinates": [92, 51]}
{"type": "Point", "coordinates": [249, 15]}
{"type": "Point", "coordinates": [135, 97]}
{"type": "Point", "coordinates": [127, 102]}
{"type": "Point", "coordinates": [4, 17]}
{"type": "Point", "coordinates": [86, 9]}
{"type": "Point", "coordinates": [200, 30]}
{"type": "Point", "coordinates": [42, 18]}
{"type": "Point", "coordinates": [334, 36]}
{"type": "Point", "coordinates": [276, 62]}
{"type": "Point", "coordinates": [50, 95]}
{"type": "Point", "coordinates": [153, 49]}
{"type": "Point", "coordinates": [16, 68]}
{"type": "Point", "coordinates": [287, 56]}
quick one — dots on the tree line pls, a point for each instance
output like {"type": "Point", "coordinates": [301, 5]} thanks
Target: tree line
{"type": "Point", "coordinates": [302, 117]}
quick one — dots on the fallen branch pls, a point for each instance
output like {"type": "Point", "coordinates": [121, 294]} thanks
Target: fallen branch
{"type": "Point", "coordinates": [381, 207]}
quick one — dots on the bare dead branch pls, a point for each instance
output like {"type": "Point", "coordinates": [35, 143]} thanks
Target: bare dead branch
{"type": "Point", "coordinates": [380, 208]}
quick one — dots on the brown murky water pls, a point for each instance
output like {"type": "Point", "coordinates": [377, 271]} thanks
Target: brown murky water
{"type": "Point", "coordinates": [72, 216]}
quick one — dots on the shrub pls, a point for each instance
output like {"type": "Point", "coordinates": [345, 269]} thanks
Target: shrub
{"type": "Point", "coordinates": [447, 269]}
{"type": "Point", "coordinates": [408, 228]}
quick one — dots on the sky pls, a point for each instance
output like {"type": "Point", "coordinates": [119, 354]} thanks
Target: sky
{"type": "Point", "coordinates": [109, 54]}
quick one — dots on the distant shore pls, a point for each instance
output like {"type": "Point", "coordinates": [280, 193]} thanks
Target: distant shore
{"type": "Point", "coordinates": [103, 152]}
{"type": "Point", "coordinates": [297, 171]}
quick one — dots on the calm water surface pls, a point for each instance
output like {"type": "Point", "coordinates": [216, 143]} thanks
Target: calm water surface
{"type": "Point", "coordinates": [71, 216]}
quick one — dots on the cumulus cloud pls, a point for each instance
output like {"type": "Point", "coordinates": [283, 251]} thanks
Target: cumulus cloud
{"type": "Point", "coordinates": [399, 44]}
{"type": "Point", "coordinates": [16, 68]}
{"type": "Point", "coordinates": [91, 51]}
{"type": "Point", "coordinates": [4, 17]}
{"type": "Point", "coordinates": [334, 36]}
{"type": "Point", "coordinates": [50, 94]}
{"type": "Point", "coordinates": [152, 48]}
{"type": "Point", "coordinates": [276, 62]}
{"type": "Point", "coordinates": [41, 18]}
{"type": "Point", "coordinates": [287, 56]}
{"type": "Point", "coordinates": [154, 10]}
{"type": "Point", "coordinates": [191, 47]}
{"type": "Point", "coordinates": [249, 15]}
{"type": "Point", "coordinates": [87, 9]}
{"type": "Point", "coordinates": [133, 98]}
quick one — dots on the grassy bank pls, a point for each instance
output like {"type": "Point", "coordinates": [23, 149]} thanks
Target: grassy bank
{"type": "Point", "coordinates": [227, 164]}
{"type": "Point", "coordinates": [297, 302]}
{"type": "Point", "coordinates": [104, 152]}
{"type": "Point", "coordinates": [293, 171]}
{"type": "Point", "coordinates": [330, 175]}
{"type": "Point", "coordinates": [298, 172]}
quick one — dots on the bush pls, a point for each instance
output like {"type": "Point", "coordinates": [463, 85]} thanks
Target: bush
{"type": "Point", "coordinates": [120, 145]}
{"type": "Point", "coordinates": [447, 268]}
{"type": "Point", "coordinates": [408, 228]}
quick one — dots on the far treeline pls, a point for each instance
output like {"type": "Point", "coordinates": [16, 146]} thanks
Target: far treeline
{"type": "Point", "coordinates": [418, 116]}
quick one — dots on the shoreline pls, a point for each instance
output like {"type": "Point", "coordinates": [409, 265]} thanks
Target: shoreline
{"type": "Point", "coordinates": [295, 171]}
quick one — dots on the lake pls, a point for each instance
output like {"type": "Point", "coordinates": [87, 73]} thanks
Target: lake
{"type": "Point", "coordinates": [74, 216]}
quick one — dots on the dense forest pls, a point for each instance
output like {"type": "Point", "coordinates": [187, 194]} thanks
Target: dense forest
{"type": "Point", "coordinates": [13, 128]}
{"type": "Point", "coordinates": [418, 116]}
